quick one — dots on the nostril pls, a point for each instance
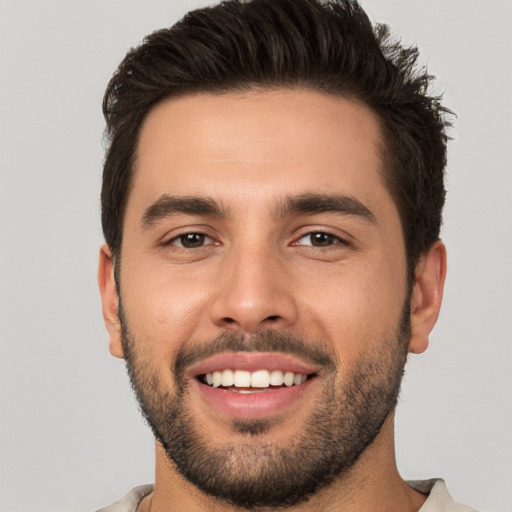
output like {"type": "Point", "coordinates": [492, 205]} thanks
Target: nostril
{"type": "Point", "coordinates": [273, 317]}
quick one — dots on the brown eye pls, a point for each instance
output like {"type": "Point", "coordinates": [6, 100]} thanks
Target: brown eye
{"type": "Point", "coordinates": [190, 240]}
{"type": "Point", "coordinates": [319, 239]}
{"type": "Point", "coordinates": [322, 239]}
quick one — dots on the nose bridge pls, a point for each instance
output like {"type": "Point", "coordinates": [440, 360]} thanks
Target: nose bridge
{"type": "Point", "coordinates": [253, 294]}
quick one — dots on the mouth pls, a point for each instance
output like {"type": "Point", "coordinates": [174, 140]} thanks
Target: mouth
{"type": "Point", "coordinates": [253, 385]}
{"type": "Point", "coordinates": [243, 381]}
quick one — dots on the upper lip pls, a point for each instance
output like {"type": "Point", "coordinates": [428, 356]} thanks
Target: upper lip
{"type": "Point", "coordinates": [252, 361]}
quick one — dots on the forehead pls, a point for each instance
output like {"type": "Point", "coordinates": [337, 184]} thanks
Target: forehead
{"type": "Point", "coordinates": [257, 144]}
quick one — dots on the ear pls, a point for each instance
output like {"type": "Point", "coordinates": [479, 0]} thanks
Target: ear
{"type": "Point", "coordinates": [110, 301]}
{"type": "Point", "coordinates": [427, 295]}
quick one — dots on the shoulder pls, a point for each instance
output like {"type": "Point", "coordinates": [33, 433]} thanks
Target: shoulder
{"type": "Point", "coordinates": [130, 502]}
{"type": "Point", "coordinates": [439, 499]}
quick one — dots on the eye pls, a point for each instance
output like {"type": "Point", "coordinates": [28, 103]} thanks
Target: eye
{"type": "Point", "coordinates": [320, 239]}
{"type": "Point", "coordinates": [190, 240]}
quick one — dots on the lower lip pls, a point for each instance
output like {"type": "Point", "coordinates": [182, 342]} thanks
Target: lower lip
{"type": "Point", "coordinates": [252, 405]}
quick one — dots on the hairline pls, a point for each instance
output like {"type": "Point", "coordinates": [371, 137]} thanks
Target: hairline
{"type": "Point", "coordinates": [384, 151]}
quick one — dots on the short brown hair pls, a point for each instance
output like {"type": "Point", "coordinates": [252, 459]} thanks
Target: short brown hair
{"type": "Point", "coordinates": [331, 47]}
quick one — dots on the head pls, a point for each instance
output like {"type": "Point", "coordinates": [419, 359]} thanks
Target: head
{"type": "Point", "coordinates": [329, 47]}
{"type": "Point", "coordinates": [272, 200]}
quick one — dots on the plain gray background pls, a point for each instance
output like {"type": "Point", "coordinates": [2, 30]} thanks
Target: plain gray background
{"type": "Point", "coordinates": [71, 438]}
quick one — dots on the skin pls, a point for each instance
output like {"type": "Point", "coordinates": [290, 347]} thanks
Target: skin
{"type": "Point", "coordinates": [259, 271]}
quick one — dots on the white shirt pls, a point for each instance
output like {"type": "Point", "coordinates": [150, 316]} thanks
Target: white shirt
{"type": "Point", "coordinates": [439, 499]}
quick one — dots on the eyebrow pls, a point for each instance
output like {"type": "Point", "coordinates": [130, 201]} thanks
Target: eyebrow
{"type": "Point", "coordinates": [311, 204]}
{"type": "Point", "coordinates": [304, 204]}
{"type": "Point", "coordinates": [166, 206]}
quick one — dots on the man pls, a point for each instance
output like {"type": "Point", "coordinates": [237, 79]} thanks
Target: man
{"type": "Point", "coordinates": [271, 203]}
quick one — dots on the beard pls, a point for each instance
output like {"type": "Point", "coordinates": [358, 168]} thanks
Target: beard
{"type": "Point", "coordinates": [253, 472]}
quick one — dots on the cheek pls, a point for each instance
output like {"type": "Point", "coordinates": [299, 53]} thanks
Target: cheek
{"type": "Point", "coordinates": [162, 308]}
{"type": "Point", "coordinates": [356, 310]}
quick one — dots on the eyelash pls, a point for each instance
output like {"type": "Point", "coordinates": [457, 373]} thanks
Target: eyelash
{"type": "Point", "coordinates": [182, 236]}
{"type": "Point", "coordinates": [332, 238]}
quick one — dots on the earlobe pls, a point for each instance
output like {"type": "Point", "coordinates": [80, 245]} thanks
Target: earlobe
{"type": "Point", "coordinates": [110, 301]}
{"type": "Point", "coordinates": [427, 295]}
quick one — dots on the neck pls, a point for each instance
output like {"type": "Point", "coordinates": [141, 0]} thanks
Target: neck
{"type": "Point", "coordinates": [373, 483]}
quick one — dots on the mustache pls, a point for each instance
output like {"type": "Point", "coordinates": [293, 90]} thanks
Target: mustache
{"type": "Point", "coordinates": [264, 341]}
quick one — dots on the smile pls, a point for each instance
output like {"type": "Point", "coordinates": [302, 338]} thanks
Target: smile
{"type": "Point", "coordinates": [253, 384]}
{"type": "Point", "coordinates": [243, 381]}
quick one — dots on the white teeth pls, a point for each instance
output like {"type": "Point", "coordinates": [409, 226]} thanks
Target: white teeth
{"type": "Point", "coordinates": [276, 378]}
{"type": "Point", "coordinates": [260, 379]}
{"type": "Point", "coordinates": [242, 379]}
{"type": "Point", "coordinates": [257, 379]}
{"type": "Point", "coordinates": [288, 378]}
{"type": "Point", "coordinates": [299, 379]}
{"type": "Point", "coordinates": [217, 379]}
{"type": "Point", "coordinates": [227, 378]}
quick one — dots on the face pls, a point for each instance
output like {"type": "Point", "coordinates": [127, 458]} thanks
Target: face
{"type": "Point", "coordinates": [263, 293]}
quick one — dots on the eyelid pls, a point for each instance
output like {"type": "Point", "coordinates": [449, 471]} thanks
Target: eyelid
{"type": "Point", "coordinates": [174, 240]}
{"type": "Point", "coordinates": [176, 234]}
{"type": "Point", "coordinates": [340, 236]}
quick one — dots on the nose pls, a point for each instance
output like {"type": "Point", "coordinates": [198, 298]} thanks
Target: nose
{"type": "Point", "coordinates": [255, 293]}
